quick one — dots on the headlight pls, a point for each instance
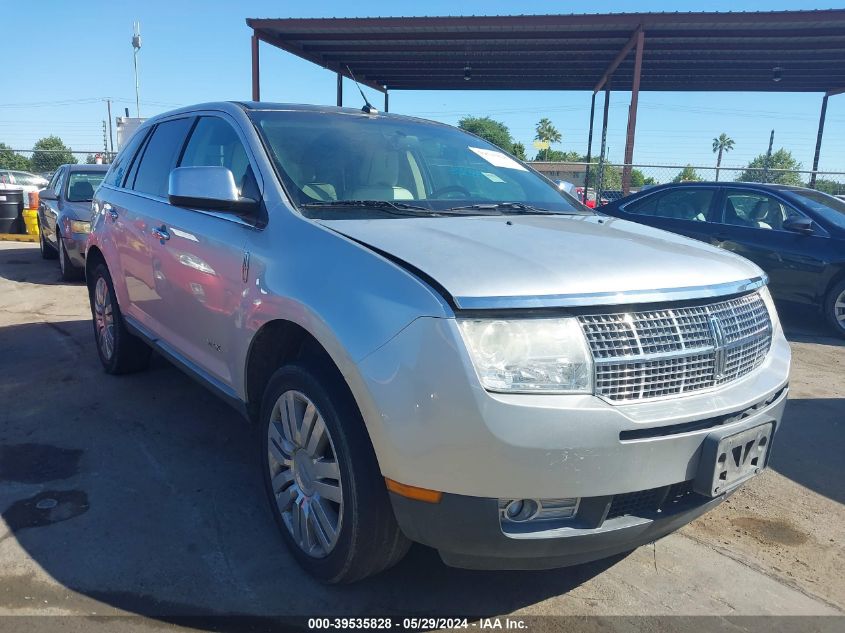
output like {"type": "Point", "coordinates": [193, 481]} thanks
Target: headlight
{"type": "Point", "coordinates": [770, 304]}
{"type": "Point", "coordinates": [78, 226]}
{"type": "Point", "coordinates": [529, 355]}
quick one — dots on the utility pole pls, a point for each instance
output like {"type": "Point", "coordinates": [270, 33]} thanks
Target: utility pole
{"type": "Point", "coordinates": [136, 46]}
{"type": "Point", "coordinates": [111, 136]}
{"type": "Point", "coordinates": [105, 140]}
{"type": "Point", "coordinates": [768, 157]}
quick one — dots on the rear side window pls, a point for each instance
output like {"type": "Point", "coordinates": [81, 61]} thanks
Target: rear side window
{"type": "Point", "coordinates": [677, 204]}
{"type": "Point", "coordinates": [123, 160]}
{"type": "Point", "coordinates": [159, 157]}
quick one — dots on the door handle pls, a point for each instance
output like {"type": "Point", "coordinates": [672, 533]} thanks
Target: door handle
{"type": "Point", "coordinates": [161, 233]}
{"type": "Point", "coordinates": [110, 210]}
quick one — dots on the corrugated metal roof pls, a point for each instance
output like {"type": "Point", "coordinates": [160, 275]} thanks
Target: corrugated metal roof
{"type": "Point", "coordinates": [683, 51]}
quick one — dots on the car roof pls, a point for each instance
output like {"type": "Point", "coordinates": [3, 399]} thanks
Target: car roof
{"type": "Point", "coordinates": [723, 183]}
{"type": "Point", "coordinates": [85, 167]}
{"type": "Point", "coordinates": [233, 107]}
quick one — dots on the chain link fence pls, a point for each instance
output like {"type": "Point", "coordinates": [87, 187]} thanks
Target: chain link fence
{"type": "Point", "coordinates": [609, 179]}
{"type": "Point", "coordinates": [44, 161]}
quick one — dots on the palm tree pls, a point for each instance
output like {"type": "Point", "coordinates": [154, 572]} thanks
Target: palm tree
{"type": "Point", "coordinates": [547, 132]}
{"type": "Point", "coordinates": [722, 144]}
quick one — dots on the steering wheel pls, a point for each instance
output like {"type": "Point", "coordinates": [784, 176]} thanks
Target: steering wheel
{"type": "Point", "coordinates": [451, 189]}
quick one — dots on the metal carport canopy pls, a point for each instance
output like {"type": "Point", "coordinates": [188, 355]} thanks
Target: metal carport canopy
{"type": "Point", "coordinates": [777, 51]}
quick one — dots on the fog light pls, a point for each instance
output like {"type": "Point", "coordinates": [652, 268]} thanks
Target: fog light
{"type": "Point", "coordinates": [521, 510]}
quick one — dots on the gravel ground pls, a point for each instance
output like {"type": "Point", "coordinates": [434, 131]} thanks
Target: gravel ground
{"type": "Point", "coordinates": [160, 511]}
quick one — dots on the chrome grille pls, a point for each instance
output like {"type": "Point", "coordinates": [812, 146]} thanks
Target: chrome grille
{"type": "Point", "coordinates": [676, 350]}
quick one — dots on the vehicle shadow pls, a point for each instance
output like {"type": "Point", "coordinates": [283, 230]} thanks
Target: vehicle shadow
{"type": "Point", "coordinates": [24, 264]}
{"type": "Point", "coordinates": [142, 492]}
{"type": "Point", "coordinates": [803, 324]}
{"type": "Point", "coordinates": [810, 444]}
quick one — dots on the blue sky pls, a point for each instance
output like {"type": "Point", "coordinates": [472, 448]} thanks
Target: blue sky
{"type": "Point", "coordinates": [70, 55]}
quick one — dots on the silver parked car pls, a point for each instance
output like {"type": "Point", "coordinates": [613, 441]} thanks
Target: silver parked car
{"type": "Point", "coordinates": [435, 343]}
{"type": "Point", "coordinates": [64, 216]}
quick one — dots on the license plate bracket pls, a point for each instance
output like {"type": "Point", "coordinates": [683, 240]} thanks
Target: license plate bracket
{"type": "Point", "coordinates": [730, 460]}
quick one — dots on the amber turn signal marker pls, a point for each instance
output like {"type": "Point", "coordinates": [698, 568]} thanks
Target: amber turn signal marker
{"type": "Point", "coordinates": [412, 492]}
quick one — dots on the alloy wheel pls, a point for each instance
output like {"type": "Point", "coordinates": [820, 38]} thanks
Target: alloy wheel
{"type": "Point", "coordinates": [104, 318]}
{"type": "Point", "coordinates": [305, 474]}
{"type": "Point", "coordinates": [839, 309]}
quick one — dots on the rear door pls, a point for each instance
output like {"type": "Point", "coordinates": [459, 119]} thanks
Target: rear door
{"type": "Point", "coordinates": [684, 210]}
{"type": "Point", "coordinates": [199, 262]}
{"type": "Point", "coordinates": [751, 225]}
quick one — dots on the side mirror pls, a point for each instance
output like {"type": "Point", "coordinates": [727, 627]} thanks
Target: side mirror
{"type": "Point", "coordinates": [212, 188]}
{"type": "Point", "coordinates": [799, 225]}
{"type": "Point", "coordinates": [47, 194]}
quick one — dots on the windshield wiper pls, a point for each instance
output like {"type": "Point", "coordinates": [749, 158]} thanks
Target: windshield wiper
{"type": "Point", "coordinates": [519, 207]}
{"type": "Point", "coordinates": [394, 206]}
{"type": "Point", "coordinates": [374, 204]}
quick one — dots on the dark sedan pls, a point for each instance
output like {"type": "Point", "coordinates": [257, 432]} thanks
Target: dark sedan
{"type": "Point", "coordinates": [64, 215]}
{"type": "Point", "coordinates": [796, 235]}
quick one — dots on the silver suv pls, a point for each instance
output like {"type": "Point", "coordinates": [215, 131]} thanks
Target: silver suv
{"type": "Point", "coordinates": [434, 343]}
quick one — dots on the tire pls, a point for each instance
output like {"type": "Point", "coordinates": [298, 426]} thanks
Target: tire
{"type": "Point", "coordinates": [834, 308]}
{"type": "Point", "coordinates": [47, 251]}
{"type": "Point", "coordinates": [367, 538]}
{"type": "Point", "coordinates": [120, 351]}
{"type": "Point", "coordinates": [68, 270]}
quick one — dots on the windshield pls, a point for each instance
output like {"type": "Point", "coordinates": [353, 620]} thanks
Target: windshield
{"type": "Point", "coordinates": [82, 184]}
{"type": "Point", "coordinates": [830, 208]}
{"type": "Point", "coordinates": [422, 168]}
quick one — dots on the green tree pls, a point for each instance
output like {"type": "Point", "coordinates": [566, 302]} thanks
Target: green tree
{"type": "Point", "coordinates": [832, 187]}
{"type": "Point", "coordinates": [547, 132]}
{"type": "Point", "coordinates": [687, 174]}
{"type": "Point", "coordinates": [518, 150]}
{"type": "Point", "coordinates": [50, 152]}
{"type": "Point", "coordinates": [638, 179]}
{"type": "Point", "coordinates": [12, 160]}
{"type": "Point", "coordinates": [557, 156]}
{"type": "Point", "coordinates": [490, 130]}
{"type": "Point", "coordinates": [722, 143]}
{"type": "Point", "coordinates": [781, 160]}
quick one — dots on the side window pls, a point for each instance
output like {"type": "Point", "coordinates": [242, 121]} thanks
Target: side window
{"type": "Point", "coordinates": [59, 181]}
{"type": "Point", "coordinates": [123, 160]}
{"type": "Point", "coordinates": [755, 210]}
{"type": "Point", "coordinates": [688, 203]}
{"type": "Point", "coordinates": [214, 143]}
{"type": "Point", "coordinates": [159, 157]}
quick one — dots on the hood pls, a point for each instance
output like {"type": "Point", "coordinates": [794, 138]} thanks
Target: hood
{"type": "Point", "coordinates": [488, 262]}
{"type": "Point", "coordinates": [77, 210]}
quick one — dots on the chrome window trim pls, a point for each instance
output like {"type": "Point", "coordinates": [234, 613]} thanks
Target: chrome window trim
{"type": "Point", "coordinates": [595, 299]}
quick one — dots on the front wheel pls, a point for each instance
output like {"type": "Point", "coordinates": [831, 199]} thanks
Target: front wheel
{"type": "Point", "coordinates": [322, 479]}
{"type": "Point", "coordinates": [835, 308]}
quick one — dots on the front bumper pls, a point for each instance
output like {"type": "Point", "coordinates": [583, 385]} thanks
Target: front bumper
{"type": "Point", "coordinates": [433, 426]}
{"type": "Point", "coordinates": [467, 534]}
{"type": "Point", "coordinates": [75, 248]}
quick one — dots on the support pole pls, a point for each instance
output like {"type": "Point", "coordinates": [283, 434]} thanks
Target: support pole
{"type": "Point", "coordinates": [589, 147]}
{"type": "Point", "coordinates": [768, 157]}
{"type": "Point", "coordinates": [819, 141]}
{"type": "Point", "coordinates": [339, 90]}
{"type": "Point", "coordinates": [386, 104]}
{"type": "Point", "coordinates": [603, 144]}
{"type": "Point", "coordinates": [256, 81]}
{"type": "Point", "coordinates": [111, 136]}
{"type": "Point", "coordinates": [632, 116]}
